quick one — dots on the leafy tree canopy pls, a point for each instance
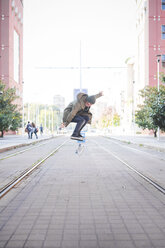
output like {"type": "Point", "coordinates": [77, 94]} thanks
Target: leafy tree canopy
{"type": "Point", "coordinates": [10, 117]}
{"type": "Point", "coordinates": [151, 114]}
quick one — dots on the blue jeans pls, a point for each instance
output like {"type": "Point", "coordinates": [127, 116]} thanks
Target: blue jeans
{"type": "Point", "coordinates": [81, 122]}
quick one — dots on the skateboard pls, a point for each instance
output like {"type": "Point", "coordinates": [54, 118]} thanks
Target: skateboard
{"type": "Point", "coordinates": [81, 145]}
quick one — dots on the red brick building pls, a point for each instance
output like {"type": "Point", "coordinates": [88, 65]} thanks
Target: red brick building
{"type": "Point", "coordinates": [150, 23]}
{"type": "Point", "coordinates": [11, 45]}
{"type": "Point", "coordinates": [156, 37]}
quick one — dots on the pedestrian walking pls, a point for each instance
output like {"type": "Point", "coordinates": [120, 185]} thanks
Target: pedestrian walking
{"type": "Point", "coordinates": [29, 129]}
{"type": "Point", "coordinates": [34, 130]}
{"type": "Point", "coordinates": [41, 129]}
{"type": "Point", "coordinates": [78, 111]}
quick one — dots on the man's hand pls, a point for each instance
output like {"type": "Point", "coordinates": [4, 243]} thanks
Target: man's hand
{"type": "Point", "coordinates": [101, 93]}
{"type": "Point", "coordinates": [62, 125]}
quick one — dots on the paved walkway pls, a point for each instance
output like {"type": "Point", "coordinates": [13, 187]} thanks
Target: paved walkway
{"type": "Point", "coordinates": [146, 140]}
{"type": "Point", "coordinates": [9, 142]}
{"type": "Point", "coordinates": [87, 201]}
{"type": "Point", "coordinates": [13, 141]}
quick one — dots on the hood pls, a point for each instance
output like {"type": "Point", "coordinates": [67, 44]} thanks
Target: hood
{"type": "Point", "coordinates": [81, 97]}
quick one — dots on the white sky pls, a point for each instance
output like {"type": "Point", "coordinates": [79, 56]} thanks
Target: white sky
{"type": "Point", "coordinates": [52, 33]}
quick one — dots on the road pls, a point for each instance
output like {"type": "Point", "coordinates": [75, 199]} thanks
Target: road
{"type": "Point", "coordinates": [88, 200]}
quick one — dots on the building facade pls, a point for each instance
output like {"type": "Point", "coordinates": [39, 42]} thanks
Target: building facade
{"type": "Point", "coordinates": [150, 24]}
{"type": "Point", "coordinates": [11, 45]}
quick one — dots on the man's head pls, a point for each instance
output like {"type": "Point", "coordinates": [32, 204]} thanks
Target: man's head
{"type": "Point", "coordinates": [90, 100]}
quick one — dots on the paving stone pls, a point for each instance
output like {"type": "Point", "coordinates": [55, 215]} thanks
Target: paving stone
{"type": "Point", "coordinates": [157, 242]}
{"type": "Point", "coordinates": [88, 244]}
{"type": "Point", "coordinates": [35, 237]}
{"type": "Point", "coordinates": [143, 243]}
{"type": "Point", "coordinates": [70, 244]}
{"type": "Point", "coordinates": [124, 244]}
{"type": "Point", "coordinates": [5, 236]}
{"type": "Point", "coordinates": [52, 243]}
{"type": "Point", "coordinates": [88, 237]}
{"type": "Point", "coordinates": [70, 237]}
{"type": "Point", "coordinates": [107, 244]}
{"type": "Point", "coordinates": [2, 244]}
{"type": "Point", "coordinates": [105, 237]}
{"type": "Point", "coordinates": [15, 244]}
{"type": "Point", "coordinates": [18, 237]}
{"type": "Point", "coordinates": [33, 244]}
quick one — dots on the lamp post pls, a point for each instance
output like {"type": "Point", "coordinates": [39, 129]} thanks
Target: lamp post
{"type": "Point", "coordinates": [45, 119]}
{"type": "Point", "coordinates": [80, 70]}
{"type": "Point", "coordinates": [22, 109]}
{"type": "Point", "coordinates": [158, 84]}
{"type": "Point", "coordinates": [133, 108]}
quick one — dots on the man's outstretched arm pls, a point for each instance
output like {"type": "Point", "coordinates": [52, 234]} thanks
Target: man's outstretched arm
{"type": "Point", "coordinates": [99, 94]}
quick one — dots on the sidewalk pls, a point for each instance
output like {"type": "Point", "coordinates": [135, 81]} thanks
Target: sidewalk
{"type": "Point", "coordinates": [10, 142]}
{"type": "Point", "coordinates": [13, 141]}
{"type": "Point", "coordinates": [142, 140]}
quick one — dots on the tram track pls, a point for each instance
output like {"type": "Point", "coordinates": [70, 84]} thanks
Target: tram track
{"type": "Point", "coordinates": [6, 188]}
{"type": "Point", "coordinates": [124, 143]}
{"type": "Point", "coordinates": [142, 175]}
{"type": "Point", "coordinates": [24, 150]}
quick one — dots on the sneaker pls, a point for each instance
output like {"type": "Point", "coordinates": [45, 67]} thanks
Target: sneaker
{"type": "Point", "coordinates": [78, 137]}
{"type": "Point", "coordinates": [81, 136]}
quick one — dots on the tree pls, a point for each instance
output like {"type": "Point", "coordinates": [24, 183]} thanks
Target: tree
{"type": "Point", "coordinates": [162, 77]}
{"type": "Point", "coordinates": [109, 118]}
{"type": "Point", "coordinates": [143, 119]}
{"type": "Point", "coordinates": [150, 114]}
{"type": "Point", "coordinates": [10, 117]}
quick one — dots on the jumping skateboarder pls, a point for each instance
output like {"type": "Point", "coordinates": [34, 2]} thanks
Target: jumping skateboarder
{"type": "Point", "coordinates": [78, 111]}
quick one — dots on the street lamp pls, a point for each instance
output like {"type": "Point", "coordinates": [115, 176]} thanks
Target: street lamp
{"type": "Point", "coordinates": [158, 84]}
{"type": "Point", "coordinates": [133, 106]}
{"type": "Point", "coordinates": [80, 69]}
{"type": "Point", "coordinates": [22, 109]}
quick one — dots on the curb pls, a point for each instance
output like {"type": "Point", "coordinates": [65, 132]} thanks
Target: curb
{"type": "Point", "coordinates": [24, 144]}
{"type": "Point", "coordinates": [158, 148]}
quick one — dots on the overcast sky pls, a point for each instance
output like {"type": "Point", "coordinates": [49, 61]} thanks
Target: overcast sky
{"type": "Point", "coordinates": [53, 30]}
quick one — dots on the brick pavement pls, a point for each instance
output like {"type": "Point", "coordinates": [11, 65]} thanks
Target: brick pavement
{"type": "Point", "coordinates": [87, 201]}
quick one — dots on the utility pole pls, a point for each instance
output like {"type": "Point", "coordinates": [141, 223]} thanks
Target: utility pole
{"type": "Point", "coordinates": [158, 61]}
{"type": "Point", "coordinates": [80, 67]}
{"type": "Point", "coordinates": [22, 108]}
{"type": "Point", "coordinates": [45, 119]}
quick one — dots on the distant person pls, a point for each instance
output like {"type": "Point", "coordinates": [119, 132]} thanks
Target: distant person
{"type": "Point", "coordinates": [41, 129]}
{"type": "Point", "coordinates": [29, 129]}
{"type": "Point", "coordinates": [34, 130]}
{"type": "Point", "coordinates": [78, 111]}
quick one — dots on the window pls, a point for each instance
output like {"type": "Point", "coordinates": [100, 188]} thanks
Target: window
{"type": "Point", "coordinates": [163, 4]}
{"type": "Point", "coordinates": [163, 32]}
{"type": "Point", "coordinates": [16, 56]}
{"type": "Point", "coordinates": [163, 60]}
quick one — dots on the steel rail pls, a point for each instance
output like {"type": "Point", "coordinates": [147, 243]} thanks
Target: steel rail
{"type": "Point", "coordinates": [146, 178]}
{"type": "Point", "coordinates": [124, 143]}
{"type": "Point", "coordinates": [22, 151]}
{"type": "Point", "coordinates": [15, 181]}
